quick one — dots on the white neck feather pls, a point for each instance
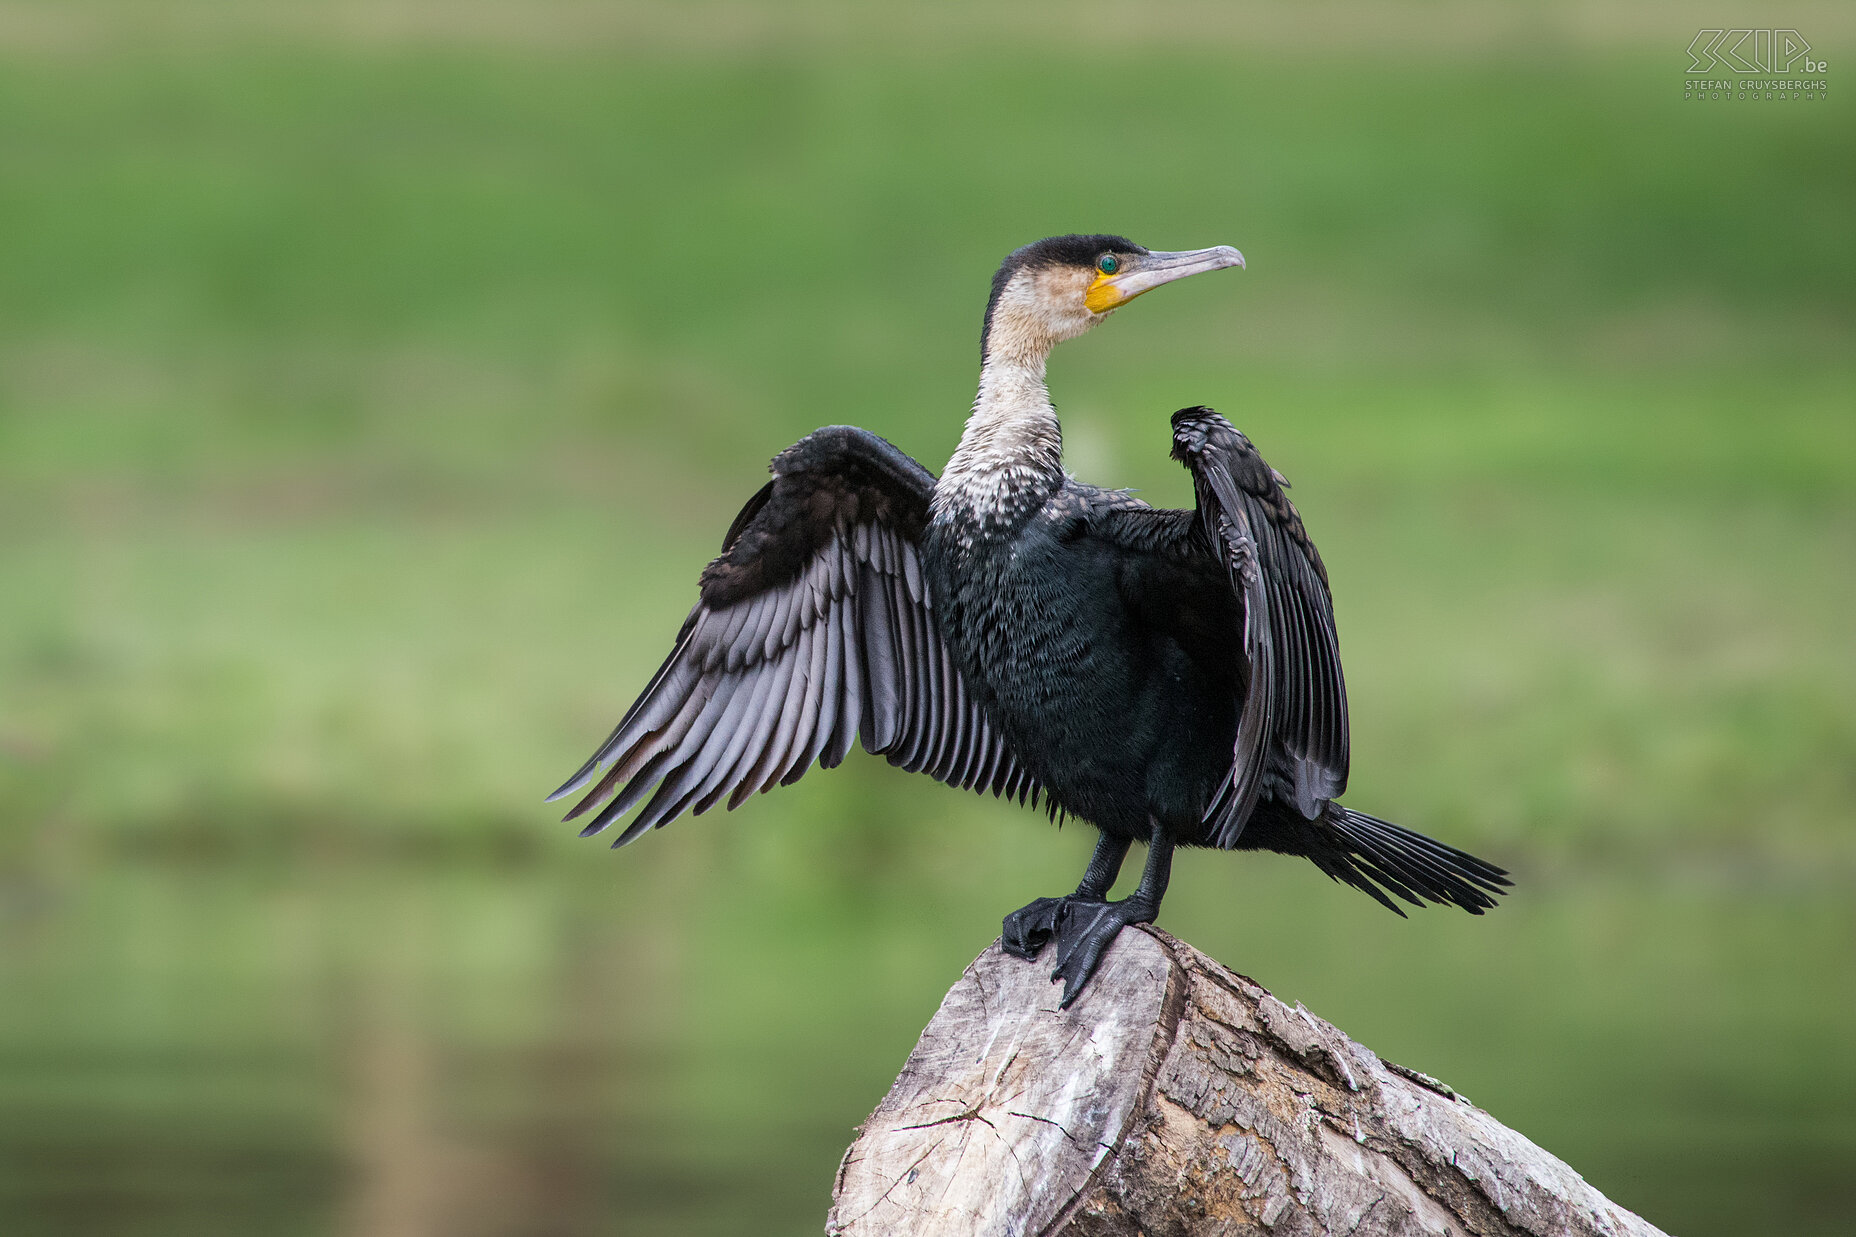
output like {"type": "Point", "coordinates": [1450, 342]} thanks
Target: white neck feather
{"type": "Point", "coordinates": [1010, 457]}
{"type": "Point", "coordinates": [1012, 448]}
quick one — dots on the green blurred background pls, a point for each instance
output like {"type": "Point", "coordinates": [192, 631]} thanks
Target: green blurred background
{"type": "Point", "coordinates": [375, 378]}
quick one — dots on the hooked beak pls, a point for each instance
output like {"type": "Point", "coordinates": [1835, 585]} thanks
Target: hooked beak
{"type": "Point", "coordinates": [1148, 271]}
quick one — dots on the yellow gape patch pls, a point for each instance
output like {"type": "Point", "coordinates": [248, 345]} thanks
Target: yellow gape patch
{"type": "Point", "coordinates": [1103, 295]}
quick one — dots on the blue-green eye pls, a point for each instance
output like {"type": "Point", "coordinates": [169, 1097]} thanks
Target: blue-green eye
{"type": "Point", "coordinates": [1108, 264]}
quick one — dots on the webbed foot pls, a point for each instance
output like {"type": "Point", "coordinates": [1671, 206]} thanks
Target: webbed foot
{"type": "Point", "coordinates": [1085, 929]}
{"type": "Point", "coordinates": [1083, 923]}
{"type": "Point", "coordinates": [1028, 927]}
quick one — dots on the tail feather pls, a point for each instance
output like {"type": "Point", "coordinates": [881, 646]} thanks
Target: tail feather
{"type": "Point", "coordinates": [1416, 868]}
{"type": "Point", "coordinates": [1341, 868]}
{"type": "Point", "coordinates": [1438, 881]}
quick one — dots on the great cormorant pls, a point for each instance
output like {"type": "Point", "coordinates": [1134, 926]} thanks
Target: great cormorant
{"type": "Point", "coordinates": [1171, 677]}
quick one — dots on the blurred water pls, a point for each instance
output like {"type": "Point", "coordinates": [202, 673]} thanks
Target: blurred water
{"type": "Point", "coordinates": [370, 394]}
{"type": "Point", "coordinates": [682, 1045]}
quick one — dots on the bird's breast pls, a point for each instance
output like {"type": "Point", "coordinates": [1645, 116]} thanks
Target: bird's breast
{"type": "Point", "coordinates": [1037, 629]}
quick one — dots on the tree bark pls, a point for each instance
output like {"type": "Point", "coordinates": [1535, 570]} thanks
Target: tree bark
{"type": "Point", "coordinates": [1178, 1097]}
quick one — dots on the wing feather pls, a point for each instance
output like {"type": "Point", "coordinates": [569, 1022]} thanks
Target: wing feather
{"type": "Point", "coordinates": [850, 694]}
{"type": "Point", "coordinates": [1292, 726]}
{"type": "Point", "coordinates": [803, 751]}
{"type": "Point", "coordinates": [789, 738]}
{"type": "Point", "coordinates": [815, 629]}
{"type": "Point", "coordinates": [748, 738]}
{"type": "Point", "coordinates": [876, 637]}
{"type": "Point", "coordinates": [765, 747]}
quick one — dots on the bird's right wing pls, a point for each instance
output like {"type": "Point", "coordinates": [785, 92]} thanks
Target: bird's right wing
{"type": "Point", "coordinates": [814, 624]}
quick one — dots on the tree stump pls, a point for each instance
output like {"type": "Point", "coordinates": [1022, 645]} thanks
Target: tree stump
{"type": "Point", "coordinates": [1178, 1097]}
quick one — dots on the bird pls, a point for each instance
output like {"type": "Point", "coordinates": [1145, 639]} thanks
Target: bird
{"type": "Point", "coordinates": [1172, 677]}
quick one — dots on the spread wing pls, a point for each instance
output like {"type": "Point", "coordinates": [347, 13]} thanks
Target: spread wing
{"type": "Point", "coordinates": [814, 627]}
{"type": "Point", "coordinates": [1292, 730]}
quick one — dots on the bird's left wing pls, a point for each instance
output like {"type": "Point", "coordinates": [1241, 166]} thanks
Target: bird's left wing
{"type": "Point", "coordinates": [814, 624]}
{"type": "Point", "coordinates": [1292, 728]}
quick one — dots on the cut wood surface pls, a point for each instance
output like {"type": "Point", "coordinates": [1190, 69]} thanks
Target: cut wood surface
{"type": "Point", "coordinates": [1178, 1097]}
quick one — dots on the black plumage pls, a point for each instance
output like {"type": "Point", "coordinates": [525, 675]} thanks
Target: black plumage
{"type": "Point", "coordinates": [1172, 677]}
{"type": "Point", "coordinates": [814, 625]}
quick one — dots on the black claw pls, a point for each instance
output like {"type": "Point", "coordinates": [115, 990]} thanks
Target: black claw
{"type": "Point", "coordinates": [1083, 928]}
{"type": "Point", "coordinates": [1083, 936]}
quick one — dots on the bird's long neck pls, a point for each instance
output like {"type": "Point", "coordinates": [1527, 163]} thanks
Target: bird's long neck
{"type": "Point", "coordinates": [1010, 457]}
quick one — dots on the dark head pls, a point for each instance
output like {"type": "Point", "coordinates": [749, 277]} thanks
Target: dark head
{"type": "Point", "coordinates": [1059, 287]}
